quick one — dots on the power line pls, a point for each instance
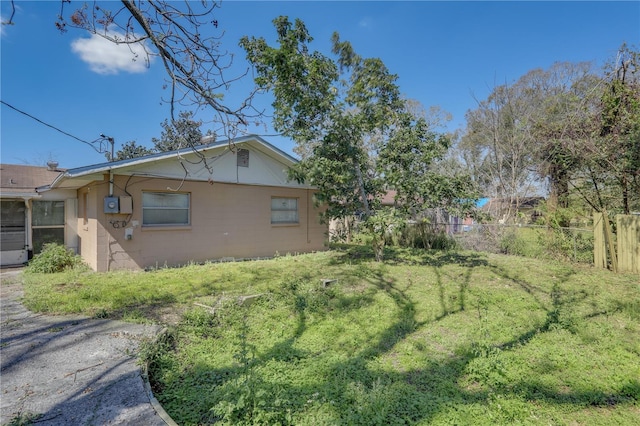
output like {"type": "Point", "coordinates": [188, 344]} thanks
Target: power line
{"type": "Point", "coordinates": [51, 126]}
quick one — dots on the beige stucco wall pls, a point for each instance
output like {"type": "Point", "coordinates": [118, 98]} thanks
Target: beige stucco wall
{"type": "Point", "coordinates": [88, 224]}
{"type": "Point", "coordinates": [227, 220]}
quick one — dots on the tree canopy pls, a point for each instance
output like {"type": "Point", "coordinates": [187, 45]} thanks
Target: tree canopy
{"type": "Point", "coordinates": [358, 137]}
{"type": "Point", "coordinates": [130, 150]}
{"type": "Point", "coordinates": [572, 126]}
{"type": "Point", "coordinates": [181, 133]}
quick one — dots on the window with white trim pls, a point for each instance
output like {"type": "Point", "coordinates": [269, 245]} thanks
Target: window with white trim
{"type": "Point", "coordinates": [284, 210]}
{"type": "Point", "coordinates": [47, 223]}
{"type": "Point", "coordinates": [165, 208]}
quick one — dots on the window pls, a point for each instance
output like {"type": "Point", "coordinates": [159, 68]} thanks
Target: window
{"type": "Point", "coordinates": [284, 210]}
{"type": "Point", "coordinates": [12, 225]}
{"type": "Point", "coordinates": [165, 208]}
{"type": "Point", "coordinates": [47, 222]}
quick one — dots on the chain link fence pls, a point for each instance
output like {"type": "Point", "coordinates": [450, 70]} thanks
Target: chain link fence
{"type": "Point", "coordinates": [542, 242]}
{"type": "Point", "coordinates": [573, 244]}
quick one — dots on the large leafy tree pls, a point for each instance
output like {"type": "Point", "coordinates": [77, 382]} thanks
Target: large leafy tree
{"type": "Point", "coordinates": [335, 110]}
{"type": "Point", "coordinates": [180, 133]}
{"type": "Point", "coordinates": [351, 126]}
{"type": "Point", "coordinates": [414, 163]}
{"type": "Point", "coordinates": [618, 150]}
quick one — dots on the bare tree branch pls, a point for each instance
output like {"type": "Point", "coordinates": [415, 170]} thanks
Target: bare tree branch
{"type": "Point", "coordinates": [186, 38]}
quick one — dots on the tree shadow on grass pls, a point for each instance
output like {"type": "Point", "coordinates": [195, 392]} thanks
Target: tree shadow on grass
{"type": "Point", "coordinates": [356, 254]}
{"type": "Point", "coordinates": [356, 390]}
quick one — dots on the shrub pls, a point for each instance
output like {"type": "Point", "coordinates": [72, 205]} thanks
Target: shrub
{"type": "Point", "coordinates": [54, 258]}
{"type": "Point", "coordinates": [511, 243]}
{"type": "Point", "coordinates": [423, 235]}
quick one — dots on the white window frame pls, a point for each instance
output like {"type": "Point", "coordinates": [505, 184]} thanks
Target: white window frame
{"type": "Point", "coordinates": [51, 226]}
{"type": "Point", "coordinates": [285, 208]}
{"type": "Point", "coordinates": [164, 208]}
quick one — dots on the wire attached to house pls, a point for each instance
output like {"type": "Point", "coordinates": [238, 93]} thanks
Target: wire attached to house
{"type": "Point", "coordinates": [46, 124]}
{"type": "Point", "coordinates": [186, 173]}
{"type": "Point", "coordinates": [55, 128]}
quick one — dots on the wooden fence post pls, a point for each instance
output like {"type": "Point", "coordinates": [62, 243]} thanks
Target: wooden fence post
{"type": "Point", "coordinates": [628, 243]}
{"type": "Point", "coordinates": [608, 236]}
{"type": "Point", "coordinates": [599, 248]}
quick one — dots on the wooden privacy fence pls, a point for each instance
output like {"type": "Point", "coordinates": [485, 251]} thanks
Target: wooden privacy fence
{"type": "Point", "coordinates": [619, 251]}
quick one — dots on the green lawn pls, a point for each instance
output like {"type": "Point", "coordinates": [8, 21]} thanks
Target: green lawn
{"type": "Point", "coordinates": [423, 338]}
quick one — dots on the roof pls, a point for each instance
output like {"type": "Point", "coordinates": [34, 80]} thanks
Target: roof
{"type": "Point", "coordinates": [21, 180]}
{"type": "Point", "coordinates": [389, 197]}
{"type": "Point", "coordinates": [504, 203]}
{"type": "Point", "coordinates": [77, 177]}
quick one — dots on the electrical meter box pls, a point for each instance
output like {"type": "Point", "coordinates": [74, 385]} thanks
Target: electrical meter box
{"type": "Point", "coordinates": [126, 205]}
{"type": "Point", "coordinates": [111, 205]}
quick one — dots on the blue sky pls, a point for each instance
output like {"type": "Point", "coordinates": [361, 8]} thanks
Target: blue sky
{"type": "Point", "coordinates": [446, 54]}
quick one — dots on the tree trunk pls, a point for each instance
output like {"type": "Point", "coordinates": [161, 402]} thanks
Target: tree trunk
{"type": "Point", "coordinates": [363, 192]}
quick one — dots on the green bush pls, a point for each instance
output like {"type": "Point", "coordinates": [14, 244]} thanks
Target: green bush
{"type": "Point", "coordinates": [423, 235]}
{"type": "Point", "coordinates": [512, 244]}
{"type": "Point", "coordinates": [54, 258]}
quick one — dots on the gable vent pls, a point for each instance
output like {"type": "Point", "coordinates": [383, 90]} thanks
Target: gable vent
{"type": "Point", "coordinates": [243, 158]}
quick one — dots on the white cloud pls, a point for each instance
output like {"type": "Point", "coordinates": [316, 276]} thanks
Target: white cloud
{"type": "Point", "coordinates": [107, 57]}
{"type": "Point", "coordinates": [366, 22]}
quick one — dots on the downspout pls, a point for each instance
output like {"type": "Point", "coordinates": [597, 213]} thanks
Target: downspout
{"type": "Point", "coordinates": [308, 208]}
{"type": "Point", "coordinates": [109, 254]}
{"type": "Point", "coordinates": [27, 228]}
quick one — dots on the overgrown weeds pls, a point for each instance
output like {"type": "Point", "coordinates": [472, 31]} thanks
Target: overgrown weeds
{"type": "Point", "coordinates": [424, 338]}
{"type": "Point", "coordinates": [55, 258]}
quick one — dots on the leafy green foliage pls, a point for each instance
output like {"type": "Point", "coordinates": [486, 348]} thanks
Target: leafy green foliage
{"type": "Point", "coordinates": [180, 133]}
{"type": "Point", "coordinates": [573, 126]}
{"type": "Point", "coordinates": [301, 81]}
{"type": "Point", "coordinates": [130, 150]}
{"type": "Point", "coordinates": [356, 135]}
{"type": "Point", "coordinates": [54, 258]}
{"type": "Point", "coordinates": [422, 235]}
{"type": "Point", "coordinates": [619, 149]}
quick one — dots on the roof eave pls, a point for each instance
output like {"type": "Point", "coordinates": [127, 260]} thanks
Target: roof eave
{"type": "Point", "coordinates": [110, 166]}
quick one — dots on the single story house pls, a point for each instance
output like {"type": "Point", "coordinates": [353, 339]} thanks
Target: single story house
{"type": "Point", "coordinates": [223, 199]}
{"type": "Point", "coordinates": [28, 219]}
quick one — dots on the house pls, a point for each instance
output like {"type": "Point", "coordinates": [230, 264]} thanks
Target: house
{"type": "Point", "coordinates": [226, 199]}
{"type": "Point", "coordinates": [341, 229]}
{"type": "Point", "coordinates": [29, 219]}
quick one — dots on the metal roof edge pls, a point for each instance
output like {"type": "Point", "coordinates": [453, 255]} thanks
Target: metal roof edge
{"type": "Point", "coordinates": [110, 166]}
{"type": "Point", "coordinates": [19, 195]}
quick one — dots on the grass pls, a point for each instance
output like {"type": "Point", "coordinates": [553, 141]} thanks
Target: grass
{"type": "Point", "coordinates": [423, 338]}
{"type": "Point", "coordinates": [570, 244]}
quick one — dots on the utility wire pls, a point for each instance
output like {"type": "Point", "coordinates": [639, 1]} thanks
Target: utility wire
{"type": "Point", "coordinates": [49, 125]}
